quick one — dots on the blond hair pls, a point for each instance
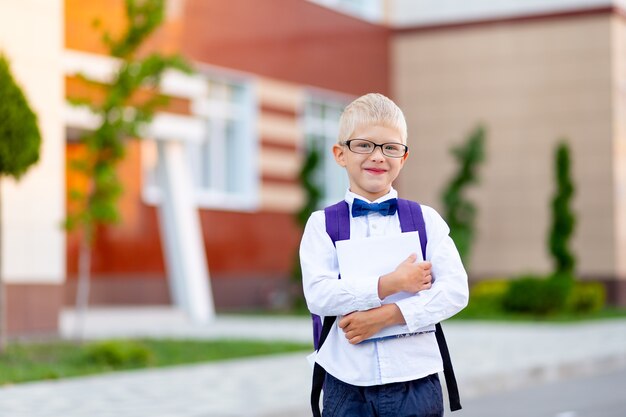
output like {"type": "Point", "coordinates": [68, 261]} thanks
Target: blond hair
{"type": "Point", "coordinates": [371, 109]}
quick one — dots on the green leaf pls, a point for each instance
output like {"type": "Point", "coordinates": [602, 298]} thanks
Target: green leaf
{"type": "Point", "coordinates": [459, 212]}
{"type": "Point", "coordinates": [20, 138]}
{"type": "Point", "coordinates": [563, 218]}
{"type": "Point", "coordinates": [105, 146]}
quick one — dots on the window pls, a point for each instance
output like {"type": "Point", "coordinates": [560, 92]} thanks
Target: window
{"type": "Point", "coordinates": [371, 10]}
{"type": "Point", "coordinates": [321, 125]}
{"type": "Point", "coordinates": [223, 162]}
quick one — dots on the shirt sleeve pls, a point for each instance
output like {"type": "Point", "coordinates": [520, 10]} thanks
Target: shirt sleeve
{"type": "Point", "coordinates": [449, 293]}
{"type": "Point", "coordinates": [325, 294]}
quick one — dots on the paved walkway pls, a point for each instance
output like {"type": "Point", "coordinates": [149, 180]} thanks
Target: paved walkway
{"type": "Point", "coordinates": [488, 357]}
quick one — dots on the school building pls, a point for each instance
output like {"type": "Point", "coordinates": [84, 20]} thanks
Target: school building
{"type": "Point", "coordinates": [215, 180]}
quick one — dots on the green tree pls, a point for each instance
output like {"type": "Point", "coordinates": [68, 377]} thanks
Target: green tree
{"type": "Point", "coordinates": [20, 141]}
{"type": "Point", "coordinates": [122, 114]}
{"type": "Point", "coordinates": [312, 190]}
{"type": "Point", "coordinates": [459, 212]}
{"type": "Point", "coordinates": [563, 217]}
{"type": "Point", "coordinates": [313, 197]}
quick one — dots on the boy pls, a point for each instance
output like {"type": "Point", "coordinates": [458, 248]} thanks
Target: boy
{"type": "Point", "coordinates": [395, 376]}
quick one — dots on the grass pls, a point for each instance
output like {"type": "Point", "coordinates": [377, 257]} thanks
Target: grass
{"type": "Point", "coordinates": [533, 298]}
{"type": "Point", "coordinates": [24, 362]}
{"type": "Point", "coordinates": [494, 314]}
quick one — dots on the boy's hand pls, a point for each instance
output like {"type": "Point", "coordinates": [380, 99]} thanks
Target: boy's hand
{"type": "Point", "coordinates": [361, 325]}
{"type": "Point", "coordinates": [409, 276]}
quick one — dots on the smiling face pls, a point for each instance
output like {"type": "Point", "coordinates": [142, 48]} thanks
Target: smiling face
{"type": "Point", "coordinates": [371, 175]}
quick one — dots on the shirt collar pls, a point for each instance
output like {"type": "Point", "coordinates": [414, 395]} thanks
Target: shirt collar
{"type": "Point", "coordinates": [350, 196]}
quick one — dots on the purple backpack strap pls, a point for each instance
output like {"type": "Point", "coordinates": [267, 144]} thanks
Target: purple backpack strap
{"type": "Point", "coordinates": [338, 228]}
{"type": "Point", "coordinates": [411, 220]}
{"type": "Point", "coordinates": [338, 221]}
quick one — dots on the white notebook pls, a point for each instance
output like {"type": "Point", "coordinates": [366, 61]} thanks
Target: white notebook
{"type": "Point", "coordinates": [379, 256]}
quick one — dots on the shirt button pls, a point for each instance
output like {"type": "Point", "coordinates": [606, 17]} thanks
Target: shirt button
{"type": "Point", "coordinates": [373, 226]}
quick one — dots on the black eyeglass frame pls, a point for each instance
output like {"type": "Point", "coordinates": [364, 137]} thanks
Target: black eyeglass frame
{"type": "Point", "coordinates": [406, 148]}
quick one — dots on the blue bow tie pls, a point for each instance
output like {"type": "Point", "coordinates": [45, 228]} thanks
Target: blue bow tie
{"type": "Point", "coordinates": [386, 208]}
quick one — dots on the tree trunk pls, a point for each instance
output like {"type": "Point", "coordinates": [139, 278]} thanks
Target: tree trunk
{"type": "Point", "coordinates": [82, 288]}
{"type": "Point", "coordinates": [3, 307]}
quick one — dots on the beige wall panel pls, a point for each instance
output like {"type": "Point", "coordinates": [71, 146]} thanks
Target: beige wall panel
{"type": "Point", "coordinates": [282, 197]}
{"type": "Point", "coordinates": [619, 145]}
{"type": "Point", "coordinates": [280, 95]}
{"type": "Point", "coordinates": [530, 83]}
{"type": "Point", "coordinates": [280, 129]}
{"type": "Point", "coordinates": [31, 36]}
{"type": "Point", "coordinates": [279, 163]}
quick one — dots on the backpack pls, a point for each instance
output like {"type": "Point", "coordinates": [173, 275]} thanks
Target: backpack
{"type": "Point", "coordinates": [338, 228]}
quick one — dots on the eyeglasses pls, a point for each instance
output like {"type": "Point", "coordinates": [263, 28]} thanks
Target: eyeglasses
{"type": "Point", "coordinates": [364, 146]}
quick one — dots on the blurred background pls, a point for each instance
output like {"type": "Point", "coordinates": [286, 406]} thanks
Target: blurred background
{"type": "Point", "coordinates": [159, 158]}
{"type": "Point", "coordinates": [268, 82]}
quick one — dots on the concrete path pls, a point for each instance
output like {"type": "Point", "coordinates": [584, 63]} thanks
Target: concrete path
{"type": "Point", "coordinates": [488, 358]}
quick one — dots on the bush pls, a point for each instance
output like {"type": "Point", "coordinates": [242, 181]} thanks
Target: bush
{"type": "Point", "coordinates": [20, 138]}
{"type": "Point", "coordinates": [537, 295]}
{"type": "Point", "coordinates": [485, 300]}
{"type": "Point", "coordinates": [563, 217]}
{"type": "Point", "coordinates": [587, 297]}
{"type": "Point", "coordinates": [118, 354]}
{"type": "Point", "coordinates": [489, 293]}
{"type": "Point", "coordinates": [489, 289]}
{"type": "Point", "coordinates": [459, 211]}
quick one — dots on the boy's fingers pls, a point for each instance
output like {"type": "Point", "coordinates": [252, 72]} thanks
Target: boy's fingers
{"type": "Point", "coordinates": [411, 259]}
{"type": "Point", "coordinates": [344, 321]}
{"type": "Point", "coordinates": [353, 337]}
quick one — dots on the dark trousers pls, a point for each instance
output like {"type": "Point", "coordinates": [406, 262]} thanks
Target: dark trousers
{"type": "Point", "coordinates": [418, 398]}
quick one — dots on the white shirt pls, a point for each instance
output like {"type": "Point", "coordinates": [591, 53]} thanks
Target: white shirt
{"type": "Point", "coordinates": [389, 360]}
